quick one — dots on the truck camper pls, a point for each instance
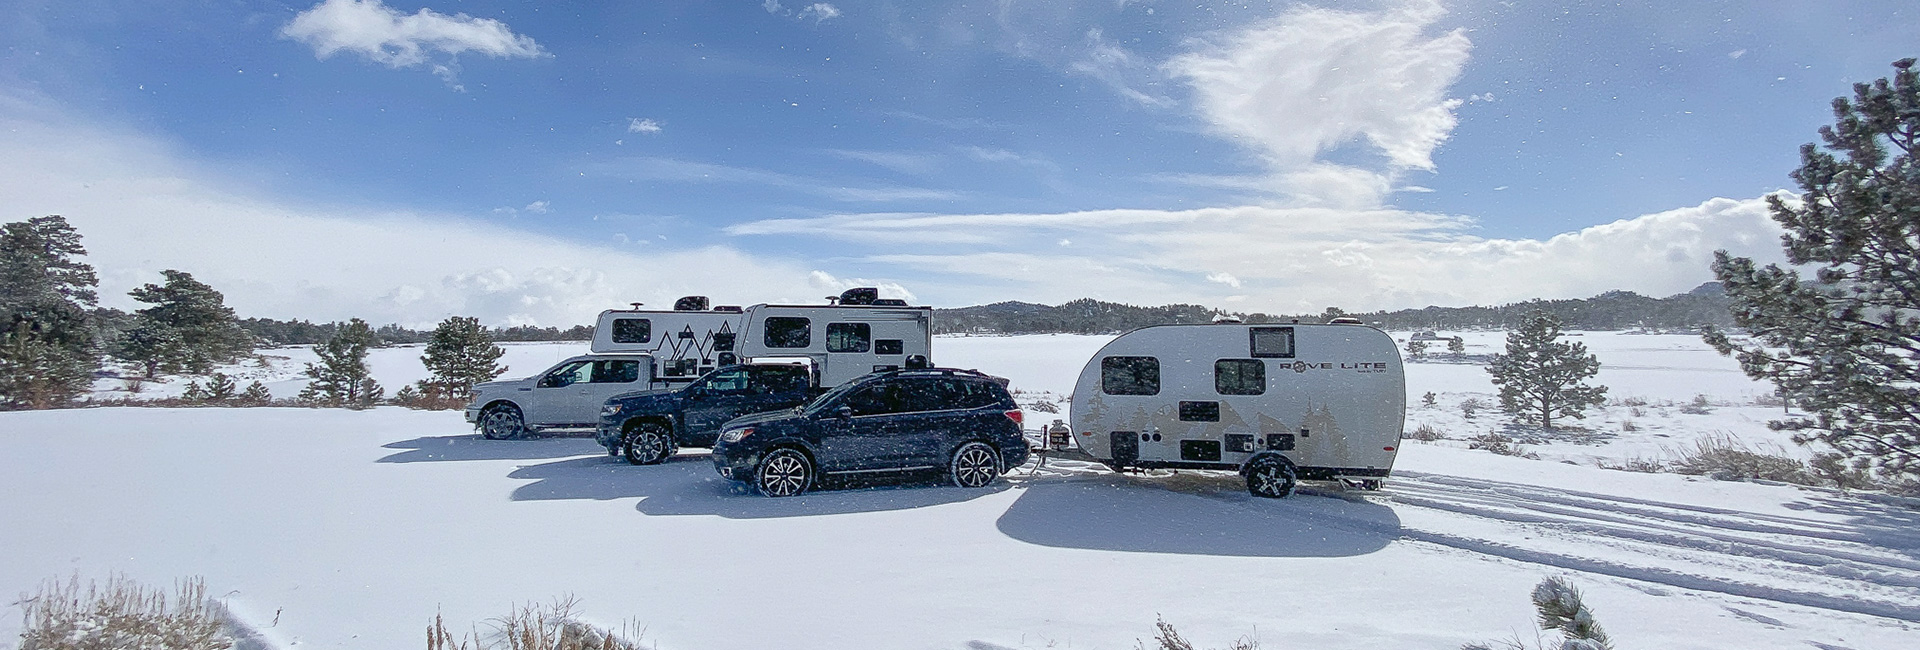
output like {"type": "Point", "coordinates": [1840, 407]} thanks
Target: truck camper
{"type": "Point", "coordinates": [858, 335]}
{"type": "Point", "coordinates": [685, 343]}
{"type": "Point", "coordinates": [1276, 402]}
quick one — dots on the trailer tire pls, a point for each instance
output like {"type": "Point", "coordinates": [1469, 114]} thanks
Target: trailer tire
{"type": "Point", "coordinates": [784, 472]}
{"type": "Point", "coordinates": [975, 464]}
{"type": "Point", "coordinates": [1270, 477]}
{"type": "Point", "coordinates": [502, 422]}
{"type": "Point", "coordinates": [647, 444]}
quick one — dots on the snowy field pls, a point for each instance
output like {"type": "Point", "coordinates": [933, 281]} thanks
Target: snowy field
{"type": "Point", "coordinates": [352, 529]}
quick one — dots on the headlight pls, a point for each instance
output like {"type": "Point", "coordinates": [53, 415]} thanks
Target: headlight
{"type": "Point", "coordinates": [610, 409]}
{"type": "Point", "coordinates": [734, 435]}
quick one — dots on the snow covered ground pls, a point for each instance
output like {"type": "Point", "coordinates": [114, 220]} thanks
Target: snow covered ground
{"type": "Point", "coordinates": [351, 529]}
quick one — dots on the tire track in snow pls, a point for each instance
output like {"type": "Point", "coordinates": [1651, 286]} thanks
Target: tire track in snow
{"type": "Point", "coordinates": [1795, 551]}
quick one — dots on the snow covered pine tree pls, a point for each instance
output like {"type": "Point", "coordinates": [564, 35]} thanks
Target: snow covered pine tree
{"type": "Point", "coordinates": [48, 350]}
{"type": "Point", "coordinates": [1845, 345]}
{"type": "Point", "coordinates": [342, 378]}
{"type": "Point", "coordinates": [1540, 377]}
{"type": "Point", "coordinates": [189, 327]}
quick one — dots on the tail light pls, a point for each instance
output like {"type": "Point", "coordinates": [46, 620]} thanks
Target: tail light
{"type": "Point", "coordinates": [1017, 416]}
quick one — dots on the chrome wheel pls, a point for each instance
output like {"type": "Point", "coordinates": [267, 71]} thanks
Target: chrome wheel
{"type": "Point", "coordinates": [974, 465]}
{"type": "Point", "coordinates": [502, 422]}
{"type": "Point", "coordinates": [1270, 477]}
{"type": "Point", "coordinates": [783, 473]}
{"type": "Point", "coordinates": [648, 445]}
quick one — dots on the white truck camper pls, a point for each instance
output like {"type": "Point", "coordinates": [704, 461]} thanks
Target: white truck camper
{"type": "Point", "coordinates": [861, 333]}
{"type": "Point", "coordinates": [684, 343]}
{"type": "Point", "coordinates": [1276, 402]}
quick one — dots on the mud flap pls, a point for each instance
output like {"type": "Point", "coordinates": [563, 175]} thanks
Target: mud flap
{"type": "Point", "coordinates": [1125, 446]}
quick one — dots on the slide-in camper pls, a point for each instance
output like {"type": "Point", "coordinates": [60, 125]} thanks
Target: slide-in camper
{"type": "Point", "coordinates": [684, 343]}
{"type": "Point", "coordinates": [860, 334]}
{"type": "Point", "coordinates": [1277, 402]}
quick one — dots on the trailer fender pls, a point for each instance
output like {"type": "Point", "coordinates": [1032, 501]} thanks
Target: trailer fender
{"type": "Point", "coordinates": [1269, 453]}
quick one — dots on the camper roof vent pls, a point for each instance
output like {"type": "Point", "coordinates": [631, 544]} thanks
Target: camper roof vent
{"type": "Point", "coordinates": [1225, 319]}
{"type": "Point", "coordinates": [889, 302]}
{"type": "Point", "coordinates": [859, 296]}
{"type": "Point", "coordinates": [636, 305]}
{"type": "Point", "coordinates": [691, 303]}
{"type": "Point", "coordinates": [731, 309]}
{"type": "Point", "coordinates": [1344, 320]}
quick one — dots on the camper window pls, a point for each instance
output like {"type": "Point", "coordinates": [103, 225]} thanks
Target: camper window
{"type": "Point", "coordinates": [789, 332]}
{"type": "Point", "coordinates": [1130, 376]}
{"type": "Point", "coordinates": [849, 337]}
{"type": "Point", "coordinates": [615, 372]}
{"type": "Point", "coordinates": [1240, 377]}
{"type": "Point", "coordinates": [1272, 342]}
{"type": "Point", "coordinates": [889, 346]}
{"type": "Point", "coordinates": [632, 330]}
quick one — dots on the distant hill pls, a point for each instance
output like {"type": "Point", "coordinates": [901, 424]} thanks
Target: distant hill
{"type": "Point", "coordinates": [1613, 310]}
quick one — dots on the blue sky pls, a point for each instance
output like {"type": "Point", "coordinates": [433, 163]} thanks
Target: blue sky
{"type": "Point", "coordinates": [535, 162]}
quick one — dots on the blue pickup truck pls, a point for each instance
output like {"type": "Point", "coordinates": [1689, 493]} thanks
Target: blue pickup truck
{"type": "Point", "coordinates": [649, 426]}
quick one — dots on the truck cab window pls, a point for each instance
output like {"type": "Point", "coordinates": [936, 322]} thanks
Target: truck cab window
{"type": "Point", "coordinates": [1130, 376]}
{"type": "Point", "coordinates": [1271, 342]}
{"type": "Point", "coordinates": [616, 371]}
{"type": "Point", "coordinates": [849, 337]}
{"type": "Point", "coordinates": [788, 332]}
{"type": "Point", "coordinates": [632, 330]}
{"type": "Point", "coordinates": [727, 382]}
{"type": "Point", "coordinates": [567, 375]}
{"type": "Point", "coordinates": [1240, 377]}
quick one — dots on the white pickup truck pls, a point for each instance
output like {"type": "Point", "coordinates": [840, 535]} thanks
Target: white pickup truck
{"type": "Point", "coordinates": [566, 396]}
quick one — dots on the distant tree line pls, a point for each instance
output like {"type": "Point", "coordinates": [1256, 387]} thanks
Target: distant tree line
{"type": "Point", "coordinates": [1704, 306]}
{"type": "Point", "coordinates": [300, 332]}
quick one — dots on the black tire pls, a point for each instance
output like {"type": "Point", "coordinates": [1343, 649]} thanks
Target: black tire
{"type": "Point", "coordinates": [647, 444]}
{"type": "Point", "coordinates": [973, 465]}
{"type": "Point", "coordinates": [502, 422]}
{"type": "Point", "coordinates": [783, 473]}
{"type": "Point", "coordinates": [1270, 477]}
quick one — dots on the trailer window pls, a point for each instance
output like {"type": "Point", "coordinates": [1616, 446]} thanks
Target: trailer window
{"type": "Point", "coordinates": [632, 330]}
{"type": "Point", "coordinates": [1130, 376]}
{"type": "Point", "coordinates": [789, 332]}
{"type": "Point", "coordinates": [1272, 342]}
{"type": "Point", "coordinates": [1240, 376]}
{"type": "Point", "coordinates": [849, 337]}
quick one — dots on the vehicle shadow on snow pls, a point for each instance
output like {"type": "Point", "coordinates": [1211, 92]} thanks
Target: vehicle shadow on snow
{"type": "Point", "coordinates": [473, 447]}
{"type": "Point", "coordinates": [1195, 515]}
{"type": "Point", "coordinates": [687, 485]}
{"type": "Point", "coordinates": [1891, 526]}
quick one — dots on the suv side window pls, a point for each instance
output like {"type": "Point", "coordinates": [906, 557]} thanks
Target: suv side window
{"type": "Point", "coordinates": [616, 371]}
{"type": "Point", "coordinates": [849, 337]}
{"type": "Point", "coordinates": [877, 399]}
{"type": "Point", "coordinates": [1130, 375]}
{"type": "Point", "coordinates": [788, 332]}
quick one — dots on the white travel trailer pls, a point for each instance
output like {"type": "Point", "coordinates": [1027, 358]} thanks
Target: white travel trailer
{"type": "Point", "coordinates": [843, 341]}
{"type": "Point", "coordinates": [684, 343]}
{"type": "Point", "coordinates": [1275, 402]}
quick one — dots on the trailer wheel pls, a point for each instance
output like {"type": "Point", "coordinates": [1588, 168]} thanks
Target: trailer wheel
{"type": "Point", "coordinates": [1270, 477]}
{"type": "Point", "coordinates": [502, 422]}
{"type": "Point", "coordinates": [648, 444]}
{"type": "Point", "coordinates": [783, 473]}
{"type": "Point", "coordinates": [974, 464]}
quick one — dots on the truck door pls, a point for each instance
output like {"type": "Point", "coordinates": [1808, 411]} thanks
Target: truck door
{"type": "Point", "coordinates": [551, 399]}
{"type": "Point", "coordinates": [608, 377]}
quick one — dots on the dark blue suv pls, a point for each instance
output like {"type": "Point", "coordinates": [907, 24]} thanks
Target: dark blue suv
{"type": "Point", "coordinates": [960, 422]}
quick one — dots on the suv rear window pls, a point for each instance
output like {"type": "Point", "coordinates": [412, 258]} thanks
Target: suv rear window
{"type": "Point", "coordinates": [1130, 376]}
{"type": "Point", "coordinates": [789, 332]}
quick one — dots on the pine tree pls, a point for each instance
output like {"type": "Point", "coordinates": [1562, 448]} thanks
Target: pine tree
{"type": "Point", "coordinates": [1457, 347]}
{"type": "Point", "coordinates": [48, 350]}
{"type": "Point", "coordinates": [1844, 345]}
{"type": "Point", "coordinates": [342, 378]}
{"type": "Point", "coordinates": [1541, 378]}
{"type": "Point", "coordinates": [1561, 608]}
{"type": "Point", "coordinates": [1416, 349]}
{"type": "Point", "coordinates": [221, 388]}
{"type": "Point", "coordinates": [460, 354]}
{"type": "Point", "coordinates": [256, 395]}
{"type": "Point", "coordinates": [189, 328]}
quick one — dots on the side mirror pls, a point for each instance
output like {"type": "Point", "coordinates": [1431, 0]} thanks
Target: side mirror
{"type": "Point", "coordinates": [844, 412]}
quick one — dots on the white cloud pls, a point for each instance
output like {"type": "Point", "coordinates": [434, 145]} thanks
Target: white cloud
{"type": "Point", "coordinates": [819, 11]}
{"type": "Point", "coordinates": [642, 125]}
{"type": "Point", "coordinates": [142, 208]}
{"type": "Point", "coordinates": [537, 207]}
{"type": "Point", "coordinates": [1292, 259]}
{"type": "Point", "coordinates": [1314, 80]}
{"type": "Point", "coordinates": [682, 171]}
{"type": "Point", "coordinates": [377, 32]}
{"type": "Point", "coordinates": [1119, 69]}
